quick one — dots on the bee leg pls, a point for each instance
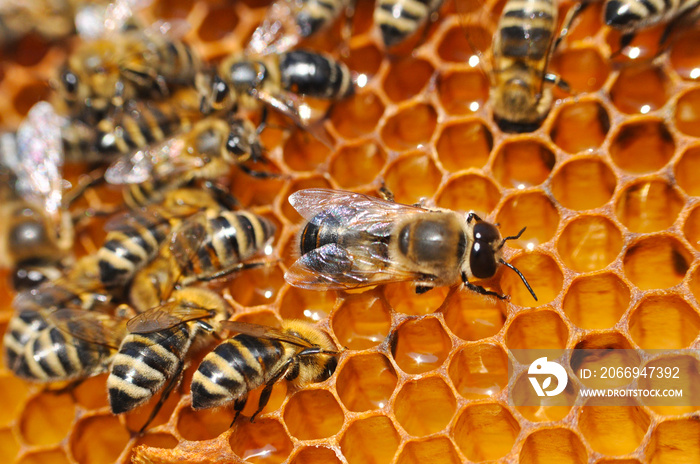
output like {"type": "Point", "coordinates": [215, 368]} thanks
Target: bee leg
{"type": "Point", "coordinates": [481, 290]}
{"type": "Point", "coordinates": [571, 15]}
{"type": "Point", "coordinates": [222, 196]}
{"type": "Point", "coordinates": [236, 268]}
{"type": "Point", "coordinates": [91, 179]}
{"type": "Point", "coordinates": [473, 217]}
{"type": "Point", "coordinates": [238, 406]}
{"type": "Point", "coordinates": [347, 29]}
{"type": "Point", "coordinates": [625, 40]}
{"type": "Point", "coordinates": [420, 289]}
{"type": "Point", "coordinates": [258, 174]}
{"type": "Point", "coordinates": [172, 383]}
{"type": "Point", "coordinates": [558, 81]}
{"type": "Point", "coordinates": [267, 391]}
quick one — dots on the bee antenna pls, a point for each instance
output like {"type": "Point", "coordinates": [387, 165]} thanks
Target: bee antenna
{"type": "Point", "coordinates": [511, 237]}
{"type": "Point", "coordinates": [520, 274]}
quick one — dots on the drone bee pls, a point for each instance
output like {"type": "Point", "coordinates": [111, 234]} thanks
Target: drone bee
{"type": "Point", "coordinates": [287, 22]}
{"type": "Point", "coordinates": [352, 240]}
{"type": "Point", "coordinates": [525, 39]}
{"type": "Point", "coordinates": [134, 238]}
{"type": "Point", "coordinates": [631, 16]}
{"type": "Point", "coordinates": [278, 81]}
{"type": "Point", "coordinates": [176, 318]}
{"type": "Point", "coordinates": [64, 329]}
{"type": "Point", "coordinates": [399, 19]}
{"type": "Point", "coordinates": [259, 355]}
{"type": "Point", "coordinates": [37, 232]}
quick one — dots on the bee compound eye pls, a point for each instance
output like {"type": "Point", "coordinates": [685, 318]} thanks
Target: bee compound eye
{"type": "Point", "coordinates": [482, 260]}
{"type": "Point", "coordinates": [69, 81]}
{"type": "Point", "coordinates": [234, 144]}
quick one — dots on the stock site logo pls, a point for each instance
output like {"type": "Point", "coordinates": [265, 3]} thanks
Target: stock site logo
{"type": "Point", "coordinates": [543, 367]}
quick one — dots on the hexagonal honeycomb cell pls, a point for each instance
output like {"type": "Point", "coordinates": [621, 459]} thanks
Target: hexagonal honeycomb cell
{"type": "Point", "coordinates": [607, 189]}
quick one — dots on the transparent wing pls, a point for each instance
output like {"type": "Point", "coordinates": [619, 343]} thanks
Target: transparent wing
{"type": "Point", "coordinates": [39, 160]}
{"type": "Point", "coordinates": [93, 21]}
{"type": "Point", "coordinates": [295, 108]}
{"type": "Point", "coordinates": [278, 31]}
{"type": "Point", "coordinates": [93, 327]}
{"type": "Point", "coordinates": [187, 239]}
{"type": "Point", "coordinates": [151, 215]}
{"type": "Point", "coordinates": [263, 331]}
{"type": "Point", "coordinates": [332, 267]}
{"type": "Point", "coordinates": [354, 211]}
{"type": "Point", "coordinates": [157, 161]}
{"type": "Point", "coordinates": [478, 24]}
{"type": "Point", "coordinates": [166, 316]}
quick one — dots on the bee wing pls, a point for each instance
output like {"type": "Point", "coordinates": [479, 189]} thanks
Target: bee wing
{"type": "Point", "coordinates": [157, 161]}
{"type": "Point", "coordinates": [93, 21]}
{"type": "Point", "coordinates": [355, 211]}
{"type": "Point", "coordinates": [302, 114]}
{"type": "Point", "coordinates": [166, 316]}
{"type": "Point", "coordinates": [474, 15]}
{"type": "Point", "coordinates": [263, 331]}
{"type": "Point", "coordinates": [39, 159]}
{"type": "Point", "coordinates": [187, 239]}
{"type": "Point", "coordinates": [332, 267]}
{"type": "Point", "coordinates": [278, 31]}
{"type": "Point", "coordinates": [93, 327]}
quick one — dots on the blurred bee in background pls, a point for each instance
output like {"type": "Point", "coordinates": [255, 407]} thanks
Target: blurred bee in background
{"type": "Point", "coordinates": [258, 355]}
{"type": "Point", "coordinates": [64, 329]}
{"type": "Point", "coordinates": [278, 81]}
{"type": "Point", "coordinates": [399, 19]}
{"type": "Point", "coordinates": [631, 16]}
{"type": "Point", "coordinates": [132, 62]}
{"type": "Point", "coordinates": [525, 39]}
{"type": "Point", "coordinates": [36, 236]}
{"type": "Point", "coordinates": [50, 19]}
{"type": "Point", "coordinates": [176, 319]}
{"type": "Point", "coordinates": [352, 241]}
{"type": "Point", "coordinates": [287, 22]}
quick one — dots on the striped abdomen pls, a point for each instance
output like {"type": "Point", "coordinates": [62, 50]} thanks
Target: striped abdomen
{"type": "Point", "coordinates": [314, 15]}
{"type": "Point", "coordinates": [37, 351]}
{"type": "Point", "coordinates": [316, 75]}
{"type": "Point", "coordinates": [144, 363]}
{"type": "Point", "coordinates": [132, 245]}
{"type": "Point", "coordinates": [220, 242]}
{"type": "Point", "coordinates": [526, 29]}
{"type": "Point", "coordinates": [636, 14]}
{"type": "Point", "coordinates": [399, 19]}
{"type": "Point", "coordinates": [235, 367]}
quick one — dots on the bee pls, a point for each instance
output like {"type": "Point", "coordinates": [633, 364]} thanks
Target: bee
{"type": "Point", "coordinates": [49, 19]}
{"type": "Point", "coordinates": [630, 16]}
{"type": "Point", "coordinates": [102, 74]}
{"type": "Point", "coordinates": [206, 152]}
{"type": "Point", "coordinates": [134, 238]}
{"type": "Point", "coordinates": [287, 22]}
{"type": "Point", "coordinates": [175, 317]}
{"type": "Point", "coordinates": [278, 81]}
{"type": "Point", "coordinates": [259, 355]}
{"type": "Point", "coordinates": [399, 19]}
{"type": "Point", "coordinates": [37, 231]}
{"type": "Point", "coordinates": [523, 44]}
{"type": "Point", "coordinates": [352, 240]}
{"type": "Point", "coordinates": [140, 124]}
{"type": "Point", "coordinates": [153, 354]}
{"type": "Point", "coordinates": [64, 329]}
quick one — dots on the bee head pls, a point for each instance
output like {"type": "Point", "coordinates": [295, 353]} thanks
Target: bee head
{"type": "Point", "coordinates": [69, 83]}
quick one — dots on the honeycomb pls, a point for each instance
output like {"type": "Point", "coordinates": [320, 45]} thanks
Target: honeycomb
{"type": "Point", "coordinates": [607, 188]}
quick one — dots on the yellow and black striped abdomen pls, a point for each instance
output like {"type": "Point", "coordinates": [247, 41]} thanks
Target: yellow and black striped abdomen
{"type": "Point", "coordinates": [234, 368]}
{"type": "Point", "coordinates": [221, 242]}
{"type": "Point", "coordinates": [526, 29]}
{"type": "Point", "coordinates": [143, 365]}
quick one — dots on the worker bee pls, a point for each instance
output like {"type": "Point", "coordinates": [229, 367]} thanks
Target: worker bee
{"type": "Point", "coordinates": [399, 19]}
{"type": "Point", "coordinates": [205, 152]}
{"type": "Point", "coordinates": [287, 22]}
{"type": "Point", "coordinates": [176, 318]}
{"type": "Point", "coordinates": [134, 238]}
{"type": "Point", "coordinates": [353, 240]}
{"type": "Point", "coordinates": [64, 329]}
{"type": "Point", "coordinates": [37, 232]}
{"type": "Point", "coordinates": [140, 124]}
{"type": "Point", "coordinates": [258, 355]}
{"type": "Point", "coordinates": [522, 46]}
{"type": "Point", "coordinates": [102, 74]}
{"type": "Point", "coordinates": [153, 354]}
{"type": "Point", "coordinates": [278, 81]}
{"type": "Point", "coordinates": [630, 16]}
